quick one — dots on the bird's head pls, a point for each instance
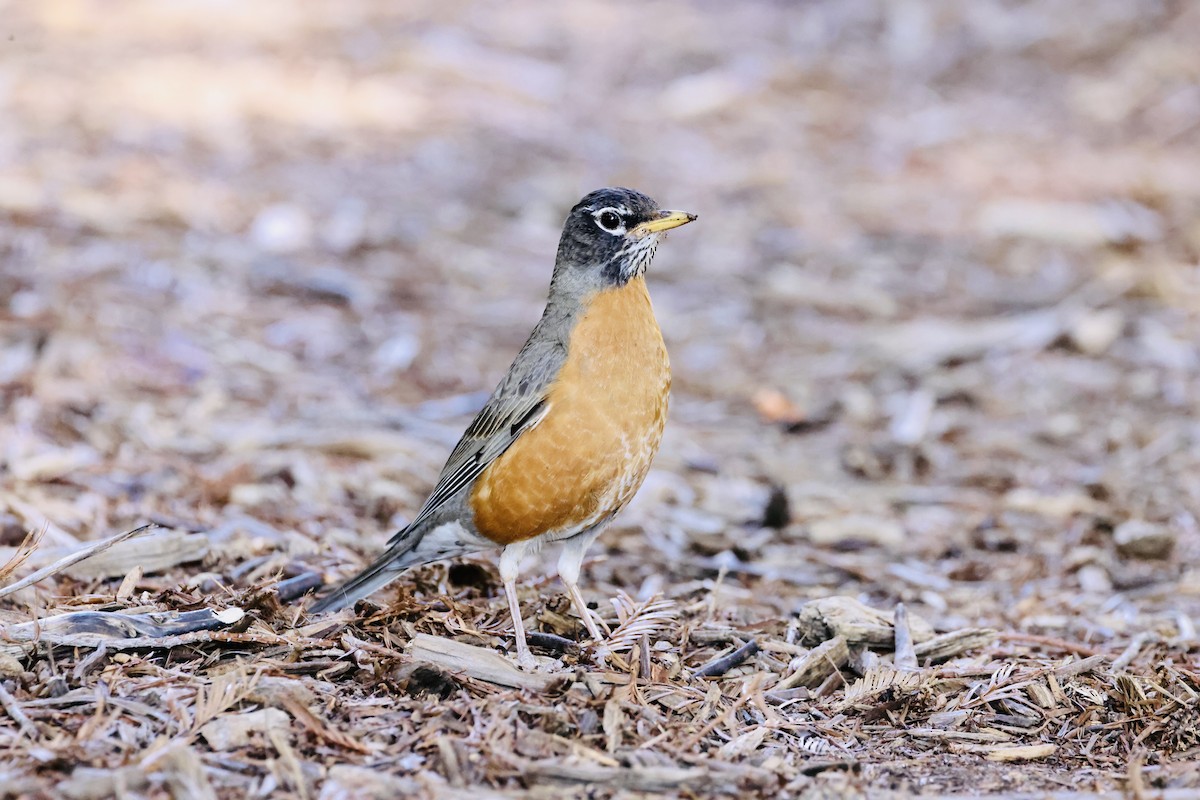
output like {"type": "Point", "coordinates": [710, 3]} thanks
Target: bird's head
{"type": "Point", "coordinates": [609, 238]}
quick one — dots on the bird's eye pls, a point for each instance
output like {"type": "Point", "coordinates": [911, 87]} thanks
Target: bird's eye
{"type": "Point", "coordinates": [609, 220]}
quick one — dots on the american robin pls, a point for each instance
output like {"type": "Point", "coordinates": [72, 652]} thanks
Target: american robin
{"type": "Point", "coordinates": [567, 437]}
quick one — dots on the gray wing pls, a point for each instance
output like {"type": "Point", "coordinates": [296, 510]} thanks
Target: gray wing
{"type": "Point", "coordinates": [518, 404]}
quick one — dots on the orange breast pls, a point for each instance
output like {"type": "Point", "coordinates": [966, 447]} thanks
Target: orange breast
{"type": "Point", "coordinates": [590, 454]}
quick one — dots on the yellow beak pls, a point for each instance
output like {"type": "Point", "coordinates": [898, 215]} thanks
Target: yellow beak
{"type": "Point", "coordinates": [665, 221]}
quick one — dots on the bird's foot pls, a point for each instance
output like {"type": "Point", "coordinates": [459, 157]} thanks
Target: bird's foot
{"type": "Point", "coordinates": [542, 664]}
{"type": "Point", "coordinates": [527, 661]}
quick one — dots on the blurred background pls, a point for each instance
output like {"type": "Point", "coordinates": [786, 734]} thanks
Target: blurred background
{"type": "Point", "coordinates": [934, 335]}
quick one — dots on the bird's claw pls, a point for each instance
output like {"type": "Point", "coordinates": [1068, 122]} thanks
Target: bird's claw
{"type": "Point", "coordinates": [527, 662]}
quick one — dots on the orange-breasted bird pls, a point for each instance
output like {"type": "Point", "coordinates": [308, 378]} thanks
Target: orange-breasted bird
{"type": "Point", "coordinates": [566, 439]}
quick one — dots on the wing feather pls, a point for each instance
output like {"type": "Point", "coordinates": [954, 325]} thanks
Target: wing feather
{"type": "Point", "coordinates": [517, 405]}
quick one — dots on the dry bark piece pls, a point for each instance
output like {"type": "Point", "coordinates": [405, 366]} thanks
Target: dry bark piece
{"type": "Point", "coordinates": [817, 665]}
{"type": "Point", "coordinates": [91, 550]}
{"type": "Point", "coordinates": [879, 680]}
{"type": "Point", "coordinates": [1060, 505]}
{"type": "Point", "coordinates": [292, 588]}
{"type": "Point", "coordinates": [949, 645]}
{"type": "Point", "coordinates": [230, 731]}
{"type": "Point", "coordinates": [877, 531]}
{"type": "Point", "coordinates": [36, 520]}
{"type": "Point", "coordinates": [1029, 752]}
{"type": "Point", "coordinates": [820, 620]}
{"type": "Point", "coordinates": [96, 628]}
{"type": "Point", "coordinates": [349, 782]}
{"type": "Point", "coordinates": [480, 663]}
{"type": "Point", "coordinates": [639, 779]}
{"type": "Point", "coordinates": [153, 553]}
{"type": "Point", "coordinates": [927, 342]}
{"type": "Point", "coordinates": [14, 710]}
{"type": "Point", "coordinates": [90, 783]}
{"type": "Point", "coordinates": [1080, 667]}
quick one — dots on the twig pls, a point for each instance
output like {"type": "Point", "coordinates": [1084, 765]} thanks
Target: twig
{"type": "Point", "coordinates": [642, 779]}
{"type": "Point", "coordinates": [318, 727]}
{"type": "Point", "coordinates": [549, 641]}
{"type": "Point", "coordinates": [14, 710]}
{"type": "Point", "coordinates": [98, 627]}
{"type": "Point", "coordinates": [354, 643]}
{"type": "Point", "coordinates": [1079, 667]}
{"type": "Point", "coordinates": [181, 640]}
{"type": "Point", "coordinates": [24, 550]}
{"type": "Point", "coordinates": [719, 666]}
{"type": "Point", "coordinates": [1049, 641]}
{"type": "Point", "coordinates": [289, 590]}
{"type": "Point", "coordinates": [73, 558]}
{"type": "Point", "coordinates": [1131, 652]}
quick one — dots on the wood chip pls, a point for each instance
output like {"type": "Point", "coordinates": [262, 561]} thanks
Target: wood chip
{"type": "Point", "coordinates": [1030, 752]}
{"type": "Point", "coordinates": [480, 663]}
{"type": "Point", "coordinates": [1081, 666]}
{"type": "Point", "coordinates": [638, 779]}
{"type": "Point", "coordinates": [946, 646]}
{"type": "Point", "coordinates": [153, 553]}
{"type": "Point", "coordinates": [817, 665]}
{"type": "Point", "coordinates": [231, 731]}
{"type": "Point", "coordinates": [859, 624]}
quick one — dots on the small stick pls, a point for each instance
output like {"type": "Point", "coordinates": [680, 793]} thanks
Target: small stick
{"type": "Point", "coordinates": [1079, 667]}
{"type": "Point", "coordinates": [14, 710]}
{"type": "Point", "coordinates": [289, 590]}
{"type": "Point", "coordinates": [73, 558]}
{"type": "Point", "coordinates": [1028, 752]}
{"type": "Point", "coordinates": [549, 641]}
{"type": "Point", "coordinates": [29, 544]}
{"type": "Point", "coordinates": [1049, 641]}
{"type": "Point", "coordinates": [719, 666]}
{"type": "Point", "coordinates": [1131, 652]}
{"type": "Point", "coordinates": [179, 640]}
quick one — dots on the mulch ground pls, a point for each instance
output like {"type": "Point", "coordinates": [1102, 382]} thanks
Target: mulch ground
{"type": "Point", "coordinates": [924, 518]}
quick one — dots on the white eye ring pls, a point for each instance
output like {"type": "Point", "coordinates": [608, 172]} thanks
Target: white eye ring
{"type": "Point", "coordinates": [609, 220]}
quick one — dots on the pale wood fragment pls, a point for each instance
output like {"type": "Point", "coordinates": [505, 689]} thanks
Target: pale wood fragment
{"type": "Point", "coordinates": [480, 663]}
{"type": "Point", "coordinates": [820, 662]}
{"type": "Point", "coordinates": [949, 645]}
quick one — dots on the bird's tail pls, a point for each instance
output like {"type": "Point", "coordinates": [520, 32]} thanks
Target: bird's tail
{"type": "Point", "coordinates": [400, 556]}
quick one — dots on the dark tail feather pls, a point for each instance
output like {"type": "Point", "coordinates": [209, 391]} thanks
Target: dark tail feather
{"type": "Point", "coordinates": [380, 573]}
